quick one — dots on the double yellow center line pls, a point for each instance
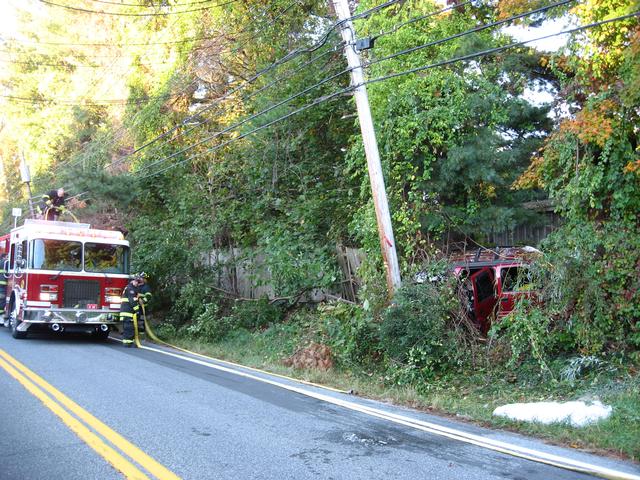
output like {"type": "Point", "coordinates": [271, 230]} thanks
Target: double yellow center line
{"type": "Point", "coordinates": [91, 430]}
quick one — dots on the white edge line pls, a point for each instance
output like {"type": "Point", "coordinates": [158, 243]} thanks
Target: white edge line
{"type": "Point", "coordinates": [503, 447]}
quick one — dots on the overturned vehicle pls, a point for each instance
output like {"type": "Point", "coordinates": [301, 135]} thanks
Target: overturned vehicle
{"type": "Point", "coordinates": [491, 281]}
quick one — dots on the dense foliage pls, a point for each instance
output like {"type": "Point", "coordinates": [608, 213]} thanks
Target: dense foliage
{"type": "Point", "coordinates": [588, 166]}
{"type": "Point", "coordinates": [200, 158]}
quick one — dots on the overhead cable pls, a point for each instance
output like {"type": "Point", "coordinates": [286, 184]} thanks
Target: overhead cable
{"type": "Point", "coordinates": [315, 102]}
{"type": "Point", "coordinates": [491, 51]}
{"type": "Point", "coordinates": [286, 58]}
{"type": "Point", "coordinates": [470, 31]}
{"type": "Point", "coordinates": [82, 65]}
{"type": "Point", "coordinates": [123, 14]}
{"type": "Point", "coordinates": [289, 74]}
{"type": "Point", "coordinates": [251, 117]}
{"type": "Point", "coordinates": [146, 5]}
{"type": "Point", "coordinates": [394, 75]}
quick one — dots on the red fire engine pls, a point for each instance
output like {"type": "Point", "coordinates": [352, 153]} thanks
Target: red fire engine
{"type": "Point", "coordinates": [64, 276]}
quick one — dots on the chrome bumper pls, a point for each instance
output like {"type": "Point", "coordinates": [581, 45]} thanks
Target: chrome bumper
{"type": "Point", "coordinates": [71, 316]}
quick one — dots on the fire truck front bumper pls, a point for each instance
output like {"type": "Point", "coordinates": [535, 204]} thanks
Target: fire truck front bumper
{"type": "Point", "coordinates": [71, 316]}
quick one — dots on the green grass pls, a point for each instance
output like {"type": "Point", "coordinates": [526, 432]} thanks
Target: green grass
{"type": "Point", "coordinates": [470, 397]}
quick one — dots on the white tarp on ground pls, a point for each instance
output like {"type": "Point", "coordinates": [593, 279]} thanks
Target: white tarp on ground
{"type": "Point", "coordinates": [577, 414]}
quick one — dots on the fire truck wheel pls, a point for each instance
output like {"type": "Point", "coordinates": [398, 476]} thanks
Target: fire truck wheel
{"type": "Point", "coordinates": [15, 322]}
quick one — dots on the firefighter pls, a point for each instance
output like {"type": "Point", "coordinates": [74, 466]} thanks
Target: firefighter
{"type": "Point", "coordinates": [128, 310]}
{"type": "Point", "coordinates": [144, 295]}
{"type": "Point", "coordinates": [53, 204]}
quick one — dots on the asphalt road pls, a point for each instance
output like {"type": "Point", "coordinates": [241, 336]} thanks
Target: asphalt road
{"type": "Point", "coordinates": [203, 423]}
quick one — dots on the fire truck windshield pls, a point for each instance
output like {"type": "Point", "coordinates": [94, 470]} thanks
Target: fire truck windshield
{"type": "Point", "coordinates": [67, 256]}
{"type": "Point", "coordinates": [56, 255]}
{"type": "Point", "coordinates": [106, 258]}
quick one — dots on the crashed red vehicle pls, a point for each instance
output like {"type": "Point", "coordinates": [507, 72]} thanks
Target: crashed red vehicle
{"type": "Point", "coordinates": [492, 280]}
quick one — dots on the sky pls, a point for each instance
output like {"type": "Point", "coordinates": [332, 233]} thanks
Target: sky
{"type": "Point", "coordinates": [552, 44]}
{"type": "Point", "coordinates": [7, 19]}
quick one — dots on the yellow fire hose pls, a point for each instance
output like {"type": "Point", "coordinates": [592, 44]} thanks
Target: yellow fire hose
{"type": "Point", "coordinates": [65, 211]}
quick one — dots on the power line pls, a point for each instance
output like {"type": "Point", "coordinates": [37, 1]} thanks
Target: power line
{"type": "Point", "coordinates": [184, 40]}
{"type": "Point", "coordinates": [315, 102]}
{"type": "Point", "coordinates": [470, 31]}
{"type": "Point", "coordinates": [155, 6]}
{"type": "Point", "coordinates": [251, 117]}
{"type": "Point", "coordinates": [80, 103]}
{"type": "Point", "coordinates": [284, 59]}
{"type": "Point", "coordinates": [491, 51]}
{"type": "Point", "coordinates": [102, 44]}
{"type": "Point", "coordinates": [361, 15]}
{"type": "Point", "coordinates": [122, 14]}
{"type": "Point", "coordinates": [76, 53]}
{"type": "Point", "coordinates": [289, 56]}
{"type": "Point", "coordinates": [286, 76]}
{"type": "Point", "coordinates": [394, 75]}
{"type": "Point", "coordinates": [75, 65]}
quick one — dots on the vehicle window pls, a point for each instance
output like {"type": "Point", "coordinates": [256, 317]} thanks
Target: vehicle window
{"type": "Point", "coordinates": [515, 279]}
{"type": "Point", "coordinates": [484, 286]}
{"type": "Point", "coordinates": [56, 255]}
{"type": "Point", "coordinates": [106, 258]}
{"type": "Point", "coordinates": [18, 252]}
{"type": "Point", "coordinates": [509, 279]}
{"type": "Point", "coordinates": [25, 252]}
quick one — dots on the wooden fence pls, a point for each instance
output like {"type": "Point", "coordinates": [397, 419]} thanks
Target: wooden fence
{"type": "Point", "coordinates": [243, 274]}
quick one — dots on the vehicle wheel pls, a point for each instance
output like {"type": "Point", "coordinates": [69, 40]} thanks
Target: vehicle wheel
{"type": "Point", "coordinates": [15, 321]}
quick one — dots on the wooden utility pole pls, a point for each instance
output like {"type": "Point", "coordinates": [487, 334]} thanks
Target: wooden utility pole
{"type": "Point", "coordinates": [383, 217]}
{"type": "Point", "coordinates": [26, 179]}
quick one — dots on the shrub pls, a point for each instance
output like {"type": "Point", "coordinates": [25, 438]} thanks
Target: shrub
{"type": "Point", "coordinates": [527, 331]}
{"type": "Point", "coordinates": [255, 314]}
{"type": "Point", "coordinates": [350, 333]}
{"type": "Point", "coordinates": [209, 326]}
{"type": "Point", "coordinates": [421, 330]}
{"type": "Point", "coordinates": [191, 299]}
{"type": "Point", "coordinates": [597, 268]}
{"type": "Point", "coordinates": [589, 284]}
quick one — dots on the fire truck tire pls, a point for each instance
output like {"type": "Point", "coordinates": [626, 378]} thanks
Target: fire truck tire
{"type": "Point", "coordinates": [15, 321]}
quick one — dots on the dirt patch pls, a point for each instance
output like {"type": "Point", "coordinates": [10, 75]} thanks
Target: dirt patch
{"type": "Point", "coordinates": [315, 356]}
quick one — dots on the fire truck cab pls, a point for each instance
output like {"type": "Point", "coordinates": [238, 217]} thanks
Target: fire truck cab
{"type": "Point", "coordinates": [64, 276]}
